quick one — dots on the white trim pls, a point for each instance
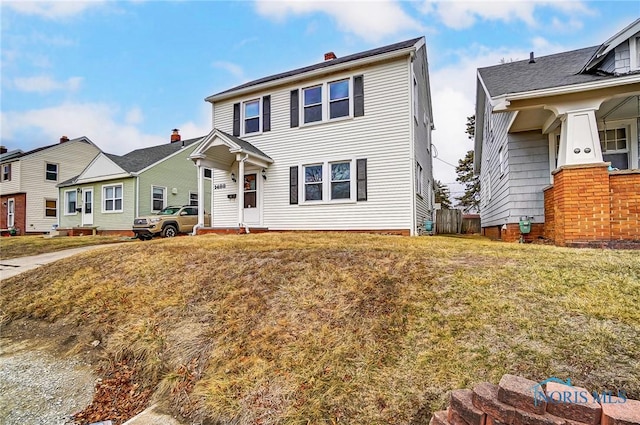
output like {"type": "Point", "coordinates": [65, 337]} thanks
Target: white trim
{"type": "Point", "coordinates": [104, 199]}
{"type": "Point", "coordinates": [325, 102]}
{"type": "Point", "coordinates": [164, 197]}
{"type": "Point", "coordinates": [66, 202]}
{"type": "Point", "coordinates": [326, 182]}
{"type": "Point", "coordinates": [501, 103]}
{"type": "Point", "coordinates": [243, 118]}
{"type": "Point", "coordinates": [46, 164]}
{"type": "Point", "coordinates": [634, 53]}
{"type": "Point", "coordinates": [11, 212]}
{"type": "Point", "coordinates": [316, 73]}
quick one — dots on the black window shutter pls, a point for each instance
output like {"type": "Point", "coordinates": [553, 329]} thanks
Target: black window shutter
{"type": "Point", "coordinates": [294, 107]}
{"type": "Point", "coordinates": [361, 174]}
{"type": "Point", "coordinates": [266, 113]}
{"type": "Point", "coordinates": [358, 95]}
{"type": "Point", "coordinates": [236, 119]}
{"type": "Point", "coordinates": [293, 185]}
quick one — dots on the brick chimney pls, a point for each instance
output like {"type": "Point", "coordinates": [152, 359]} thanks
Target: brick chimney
{"type": "Point", "coordinates": [175, 135]}
{"type": "Point", "coordinates": [329, 56]}
{"type": "Point", "coordinates": [3, 149]}
{"type": "Point", "coordinates": [64, 139]}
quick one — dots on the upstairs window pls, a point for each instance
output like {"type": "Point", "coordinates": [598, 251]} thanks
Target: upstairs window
{"type": "Point", "coordinates": [251, 116]}
{"type": "Point", "coordinates": [419, 179]}
{"type": "Point", "coordinates": [339, 99]}
{"type": "Point", "coordinates": [6, 172]}
{"type": "Point", "coordinates": [51, 172]}
{"type": "Point", "coordinates": [312, 98]}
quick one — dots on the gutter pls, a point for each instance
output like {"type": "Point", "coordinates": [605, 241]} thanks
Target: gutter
{"type": "Point", "coordinates": [500, 103]}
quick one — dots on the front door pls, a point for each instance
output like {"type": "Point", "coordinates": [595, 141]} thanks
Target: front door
{"type": "Point", "coordinates": [251, 199]}
{"type": "Point", "coordinates": [11, 212]}
{"type": "Point", "coordinates": [87, 207]}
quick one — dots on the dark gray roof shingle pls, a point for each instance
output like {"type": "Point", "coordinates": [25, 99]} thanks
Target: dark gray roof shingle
{"type": "Point", "coordinates": [561, 69]}
{"type": "Point", "coordinates": [140, 159]}
{"type": "Point", "coordinates": [246, 146]}
{"type": "Point", "coordinates": [373, 52]}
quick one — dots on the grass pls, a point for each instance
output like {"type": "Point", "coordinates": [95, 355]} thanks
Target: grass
{"type": "Point", "coordinates": [351, 328]}
{"type": "Point", "coordinates": [33, 245]}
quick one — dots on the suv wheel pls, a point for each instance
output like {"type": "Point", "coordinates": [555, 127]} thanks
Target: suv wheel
{"type": "Point", "coordinates": [169, 231]}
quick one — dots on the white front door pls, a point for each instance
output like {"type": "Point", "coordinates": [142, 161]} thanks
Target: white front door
{"type": "Point", "coordinates": [252, 202]}
{"type": "Point", "coordinates": [87, 207]}
{"type": "Point", "coordinates": [11, 212]}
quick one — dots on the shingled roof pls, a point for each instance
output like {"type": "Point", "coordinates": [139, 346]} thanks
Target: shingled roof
{"type": "Point", "coordinates": [558, 70]}
{"type": "Point", "coordinates": [326, 64]}
{"type": "Point", "coordinates": [140, 159]}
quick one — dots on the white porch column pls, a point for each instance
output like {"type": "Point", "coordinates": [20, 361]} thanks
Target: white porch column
{"type": "Point", "coordinates": [579, 141]}
{"type": "Point", "coordinates": [240, 180]}
{"type": "Point", "coordinates": [200, 194]}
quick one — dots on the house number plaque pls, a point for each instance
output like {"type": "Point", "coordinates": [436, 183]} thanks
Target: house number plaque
{"type": "Point", "coordinates": [220, 186]}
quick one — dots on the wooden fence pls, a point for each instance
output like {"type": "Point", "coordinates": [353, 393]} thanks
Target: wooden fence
{"type": "Point", "coordinates": [448, 221]}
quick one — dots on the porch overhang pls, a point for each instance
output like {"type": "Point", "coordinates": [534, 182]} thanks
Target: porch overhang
{"type": "Point", "coordinates": [221, 150]}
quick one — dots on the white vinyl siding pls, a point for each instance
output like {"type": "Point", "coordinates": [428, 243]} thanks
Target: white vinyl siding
{"type": "Point", "coordinates": [382, 136]}
{"type": "Point", "coordinates": [28, 174]}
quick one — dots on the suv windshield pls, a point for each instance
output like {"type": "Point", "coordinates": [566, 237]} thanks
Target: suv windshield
{"type": "Point", "coordinates": [169, 211]}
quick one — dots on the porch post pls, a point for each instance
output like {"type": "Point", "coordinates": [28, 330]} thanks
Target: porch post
{"type": "Point", "coordinates": [240, 189]}
{"type": "Point", "coordinates": [200, 194]}
{"type": "Point", "coordinates": [579, 141]}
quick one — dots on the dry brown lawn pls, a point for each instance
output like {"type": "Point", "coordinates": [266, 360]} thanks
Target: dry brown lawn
{"type": "Point", "coordinates": [307, 328]}
{"type": "Point", "coordinates": [22, 246]}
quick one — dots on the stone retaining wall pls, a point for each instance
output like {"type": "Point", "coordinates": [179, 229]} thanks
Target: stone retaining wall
{"type": "Point", "coordinates": [520, 401]}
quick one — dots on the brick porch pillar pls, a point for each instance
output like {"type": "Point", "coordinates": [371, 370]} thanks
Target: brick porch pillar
{"type": "Point", "coordinates": [581, 204]}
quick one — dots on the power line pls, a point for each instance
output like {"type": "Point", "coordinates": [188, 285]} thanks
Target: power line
{"type": "Point", "coordinates": [448, 163]}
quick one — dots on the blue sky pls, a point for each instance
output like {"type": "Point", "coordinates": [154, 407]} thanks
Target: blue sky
{"type": "Point", "coordinates": [124, 73]}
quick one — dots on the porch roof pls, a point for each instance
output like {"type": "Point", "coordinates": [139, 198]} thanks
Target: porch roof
{"type": "Point", "coordinates": [220, 150]}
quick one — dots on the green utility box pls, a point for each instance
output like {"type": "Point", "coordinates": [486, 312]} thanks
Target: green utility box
{"type": "Point", "coordinates": [525, 225]}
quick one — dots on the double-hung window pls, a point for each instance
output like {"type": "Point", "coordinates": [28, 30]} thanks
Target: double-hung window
{"type": "Point", "coordinates": [193, 198]}
{"type": "Point", "coordinates": [50, 208]}
{"type": "Point", "coordinates": [339, 99]}
{"type": "Point", "coordinates": [112, 198]}
{"type": "Point", "coordinates": [251, 116]}
{"type": "Point", "coordinates": [312, 104]}
{"type": "Point", "coordinates": [313, 177]}
{"type": "Point", "coordinates": [6, 172]}
{"type": "Point", "coordinates": [51, 172]}
{"type": "Point", "coordinates": [615, 147]}
{"type": "Point", "coordinates": [158, 197]}
{"type": "Point", "coordinates": [70, 202]}
{"type": "Point", "coordinates": [341, 180]}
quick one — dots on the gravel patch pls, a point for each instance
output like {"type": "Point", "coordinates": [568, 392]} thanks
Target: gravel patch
{"type": "Point", "coordinates": [37, 388]}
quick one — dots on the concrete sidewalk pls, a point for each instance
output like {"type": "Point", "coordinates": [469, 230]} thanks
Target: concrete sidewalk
{"type": "Point", "coordinates": [15, 266]}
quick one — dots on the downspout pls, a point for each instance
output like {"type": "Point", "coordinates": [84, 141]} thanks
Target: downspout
{"type": "Point", "coordinates": [241, 193]}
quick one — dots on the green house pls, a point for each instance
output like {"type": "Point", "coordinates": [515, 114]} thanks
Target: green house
{"type": "Point", "coordinates": [113, 190]}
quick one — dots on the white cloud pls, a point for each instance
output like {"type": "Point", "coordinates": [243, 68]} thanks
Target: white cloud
{"type": "Point", "coordinates": [101, 123]}
{"type": "Point", "coordinates": [46, 84]}
{"type": "Point", "coordinates": [134, 116]}
{"type": "Point", "coordinates": [464, 14]}
{"type": "Point", "coordinates": [59, 9]}
{"type": "Point", "coordinates": [369, 20]}
{"type": "Point", "coordinates": [231, 68]}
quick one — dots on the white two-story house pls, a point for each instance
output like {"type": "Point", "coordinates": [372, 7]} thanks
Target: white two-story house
{"type": "Point", "coordinates": [28, 181]}
{"type": "Point", "coordinates": [344, 144]}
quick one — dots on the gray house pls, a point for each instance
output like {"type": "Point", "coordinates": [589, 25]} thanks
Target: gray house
{"type": "Point", "coordinates": [564, 112]}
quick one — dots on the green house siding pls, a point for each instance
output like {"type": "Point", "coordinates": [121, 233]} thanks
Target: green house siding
{"type": "Point", "coordinates": [177, 175]}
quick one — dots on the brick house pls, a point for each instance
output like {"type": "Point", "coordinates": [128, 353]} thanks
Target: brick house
{"type": "Point", "coordinates": [557, 142]}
